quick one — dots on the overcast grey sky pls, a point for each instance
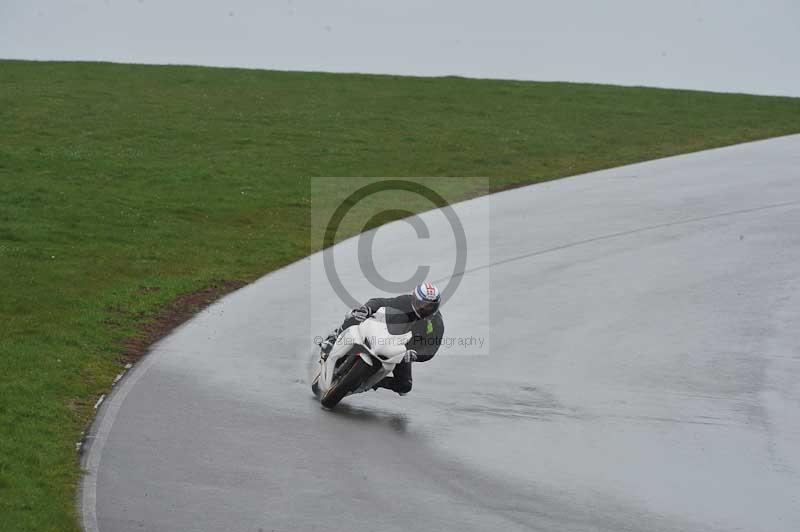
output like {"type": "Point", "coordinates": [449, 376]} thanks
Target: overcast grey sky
{"type": "Point", "coordinates": [725, 45]}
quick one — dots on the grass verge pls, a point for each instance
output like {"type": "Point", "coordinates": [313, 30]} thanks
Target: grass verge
{"type": "Point", "coordinates": [123, 187]}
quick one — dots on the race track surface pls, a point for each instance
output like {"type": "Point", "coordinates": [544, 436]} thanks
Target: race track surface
{"type": "Point", "coordinates": [642, 374]}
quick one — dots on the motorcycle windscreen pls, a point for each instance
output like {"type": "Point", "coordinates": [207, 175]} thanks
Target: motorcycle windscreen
{"type": "Point", "coordinates": [397, 321]}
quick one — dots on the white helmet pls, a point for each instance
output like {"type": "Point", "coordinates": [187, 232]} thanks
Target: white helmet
{"type": "Point", "coordinates": [425, 300]}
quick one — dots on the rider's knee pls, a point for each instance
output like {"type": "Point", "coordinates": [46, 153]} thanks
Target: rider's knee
{"type": "Point", "coordinates": [403, 387]}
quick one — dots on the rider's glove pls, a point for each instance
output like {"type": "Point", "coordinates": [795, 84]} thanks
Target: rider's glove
{"type": "Point", "coordinates": [361, 313]}
{"type": "Point", "coordinates": [411, 356]}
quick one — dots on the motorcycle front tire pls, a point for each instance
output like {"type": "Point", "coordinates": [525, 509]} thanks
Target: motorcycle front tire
{"type": "Point", "coordinates": [358, 373]}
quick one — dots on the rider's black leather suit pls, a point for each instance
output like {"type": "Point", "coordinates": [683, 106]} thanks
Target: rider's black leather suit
{"type": "Point", "coordinates": [427, 334]}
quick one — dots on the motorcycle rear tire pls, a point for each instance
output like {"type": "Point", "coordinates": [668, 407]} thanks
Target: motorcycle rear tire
{"type": "Point", "coordinates": [358, 373]}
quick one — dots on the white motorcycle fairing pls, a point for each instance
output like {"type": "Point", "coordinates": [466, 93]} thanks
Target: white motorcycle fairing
{"type": "Point", "coordinates": [375, 345]}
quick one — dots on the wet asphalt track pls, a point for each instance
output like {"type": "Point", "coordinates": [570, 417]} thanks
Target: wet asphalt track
{"type": "Point", "coordinates": [643, 375]}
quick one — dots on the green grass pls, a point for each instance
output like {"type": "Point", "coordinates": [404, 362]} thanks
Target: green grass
{"type": "Point", "coordinates": [123, 186]}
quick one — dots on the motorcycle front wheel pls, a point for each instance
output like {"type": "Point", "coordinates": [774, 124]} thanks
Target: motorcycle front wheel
{"type": "Point", "coordinates": [350, 381]}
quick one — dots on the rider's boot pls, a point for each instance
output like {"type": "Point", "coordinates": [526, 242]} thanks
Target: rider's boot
{"type": "Point", "coordinates": [327, 344]}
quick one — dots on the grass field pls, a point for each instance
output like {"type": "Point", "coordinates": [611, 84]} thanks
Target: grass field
{"type": "Point", "coordinates": [122, 187]}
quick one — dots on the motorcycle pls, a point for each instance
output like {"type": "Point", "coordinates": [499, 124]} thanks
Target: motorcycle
{"type": "Point", "coordinates": [363, 355]}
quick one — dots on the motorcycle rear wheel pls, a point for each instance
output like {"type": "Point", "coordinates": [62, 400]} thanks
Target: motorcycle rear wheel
{"type": "Point", "coordinates": [358, 373]}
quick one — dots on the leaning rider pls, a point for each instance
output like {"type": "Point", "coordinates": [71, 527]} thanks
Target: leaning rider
{"type": "Point", "coordinates": [421, 309]}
